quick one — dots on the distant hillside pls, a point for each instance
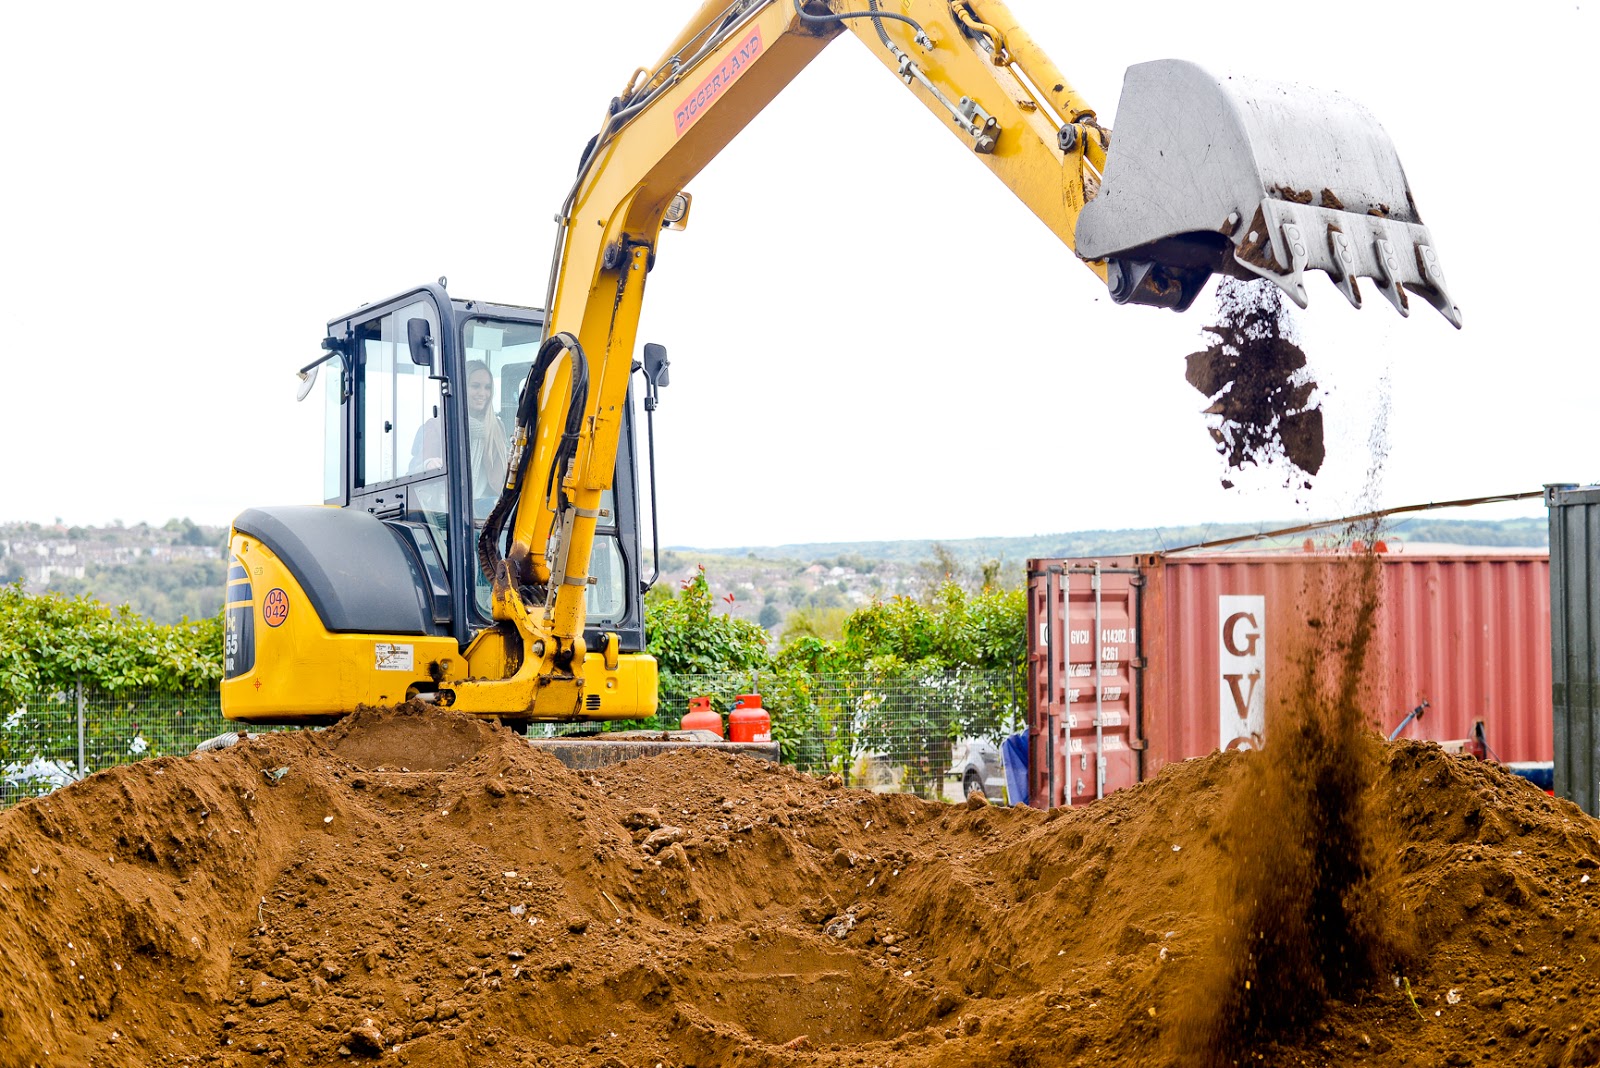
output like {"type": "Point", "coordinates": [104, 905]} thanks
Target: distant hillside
{"type": "Point", "coordinates": [166, 573]}
{"type": "Point", "coordinates": [1530, 532]}
{"type": "Point", "coordinates": [177, 569]}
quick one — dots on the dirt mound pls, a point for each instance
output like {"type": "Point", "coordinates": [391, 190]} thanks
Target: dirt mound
{"type": "Point", "coordinates": [287, 902]}
{"type": "Point", "coordinates": [408, 739]}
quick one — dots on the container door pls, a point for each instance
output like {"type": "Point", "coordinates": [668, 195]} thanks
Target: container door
{"type": "Point", "coordinates": [1082, 686]}
{"type": "Point", "coordinates": [1046, 634]}
{"type": "Point", "coordinates": [1575, 641]}
{"type": "Point", "coordinates": [1100, 654]}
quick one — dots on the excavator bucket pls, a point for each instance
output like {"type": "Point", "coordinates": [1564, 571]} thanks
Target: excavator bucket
{"type": "Point", "coordinates": [1252, 179]}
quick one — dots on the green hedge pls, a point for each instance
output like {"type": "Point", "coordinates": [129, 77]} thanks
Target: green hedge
{"type": "Point", "coordinates": [50, 641]}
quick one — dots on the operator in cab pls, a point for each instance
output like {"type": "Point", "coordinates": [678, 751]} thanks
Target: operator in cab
{"type": "Point", "coordinates": [486, 437]}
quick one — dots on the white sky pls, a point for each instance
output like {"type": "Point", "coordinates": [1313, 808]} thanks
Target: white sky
{"type": "Point", "coordinates": [870, 338]}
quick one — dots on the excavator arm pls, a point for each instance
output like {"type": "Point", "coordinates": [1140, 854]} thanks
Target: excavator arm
{"type": "Point", "coordinates": [1206, 178]}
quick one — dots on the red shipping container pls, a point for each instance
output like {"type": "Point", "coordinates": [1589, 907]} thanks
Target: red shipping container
{"type": "Point", "coordinates": [1138, 661]}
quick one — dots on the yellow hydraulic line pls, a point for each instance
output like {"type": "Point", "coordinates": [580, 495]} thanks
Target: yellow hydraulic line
{"type": "Point", "coordinates": [634, 85]}
{"type": "Point", "coordinates": [1033, 59]}
{"type": "Point", "coordinates": [530, 531]}
{"type": "Point", "coordinates": [1044, 74]}
{"type": "Point", "coordinates": [997, 40]}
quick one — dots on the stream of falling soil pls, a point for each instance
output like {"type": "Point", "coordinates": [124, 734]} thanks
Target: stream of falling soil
{"type": "Point", "coordinates": [1303, 844]}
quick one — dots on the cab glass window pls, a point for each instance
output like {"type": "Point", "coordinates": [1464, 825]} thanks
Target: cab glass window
{"type": "Point", "coordinates": [431, 501]}
{"type": "Point", "coordinates": [400, 428]}
{"type": "Point", "coordinates": [498, 354]}
{"type": "Point", "coordinates": [606, 601]}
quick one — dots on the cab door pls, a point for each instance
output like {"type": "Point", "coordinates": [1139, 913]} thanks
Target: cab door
{"type": "Point", "coordinates": [395, 456]}
{"type": "Point", "coordinates": [399, 442]}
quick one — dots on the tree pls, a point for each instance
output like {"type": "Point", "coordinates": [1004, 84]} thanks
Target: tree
{"type": "Point", "coordinates": [813, 621]}
{"type": "Point", "coordinates": [926, 671]}
{"type": "Point", "coordinates": [188, 532]}
{"type": "Point", "coordinates": [976, 577]}
{"type": "Point", "coordinates": [167, 591]}
{"type": "Point", "coordinates": [952, 629]}
{"type": "Point", "coordinates": [825, 597]}
{"type": "Point", "coordinates": [899, 680]}
{"type": "Point", "coordinates": [687, 637]}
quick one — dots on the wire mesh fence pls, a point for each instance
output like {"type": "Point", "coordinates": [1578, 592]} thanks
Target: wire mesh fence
{"type": "Point", "coordinates": [890, 733]}
{"type": "Point", "coordinates": [900, 732]}
{"type": "Point", "coordinates": [51, 738]}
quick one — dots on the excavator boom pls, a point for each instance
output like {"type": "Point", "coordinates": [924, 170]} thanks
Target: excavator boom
{"type": "Point", "coordinates": [1201, 176]}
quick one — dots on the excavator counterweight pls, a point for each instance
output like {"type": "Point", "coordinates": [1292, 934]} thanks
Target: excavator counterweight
{"type": "Point", "coordinates": [1252, 179]}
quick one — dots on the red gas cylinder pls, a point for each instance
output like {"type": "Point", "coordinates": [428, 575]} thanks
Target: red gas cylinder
{"type": "Point", "coordinates": [702, 717]}
{"type": "Point", "coordinates": [749, 722]}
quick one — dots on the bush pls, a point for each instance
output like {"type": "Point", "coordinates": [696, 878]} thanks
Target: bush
{"type": "Point", "coordinates": [51, 642]}
{"type": "Point", "coordinates": [688, 638]}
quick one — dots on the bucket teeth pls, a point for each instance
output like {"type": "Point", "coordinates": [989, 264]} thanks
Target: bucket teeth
{"type": "Point", "coordinates": [1433, 274]}
{"type": "Point", "coordinates": [1294, 245]}
{"type": "Point", "coordinates": [1394, 253]}
{"type": "Point", "coordinates": [1389, 276]}
{"type": "Point", "coordinates": [1345, 278]}
{"type": "Point", "coordinates": [1277, 237]}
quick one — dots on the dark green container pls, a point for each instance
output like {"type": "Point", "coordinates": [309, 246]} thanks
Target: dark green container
{"type": "Point", "coordinates": [1575, 640]}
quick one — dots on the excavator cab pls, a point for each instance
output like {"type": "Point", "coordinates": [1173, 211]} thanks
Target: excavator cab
{"type": "Point", "coordinates": [420, 393]}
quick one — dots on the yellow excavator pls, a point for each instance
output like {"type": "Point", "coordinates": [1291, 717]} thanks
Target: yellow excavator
{"type": "Point", "coordinates": [479, 546]}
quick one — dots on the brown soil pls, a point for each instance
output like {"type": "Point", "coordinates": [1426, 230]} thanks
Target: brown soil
{"type": "Point", "coordinates": [1261, 396]}
{"type": "Point", "coordinates": [412, 887]}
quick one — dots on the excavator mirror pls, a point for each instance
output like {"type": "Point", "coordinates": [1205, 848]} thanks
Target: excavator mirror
{"type": "Point", "coordinates": [419, 338]}
{"type": "Point", "coordinates": [308, 380]}
{"type": "Point", "coordinates": [308, 374]}
{"type": "Point", "coordinates": [656, 365]}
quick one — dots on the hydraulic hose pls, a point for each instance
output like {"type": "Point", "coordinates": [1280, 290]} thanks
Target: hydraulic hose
{"type": "Point", "coordinates": [621, 111]}
{"type": "Point", "coordinates": [489, 551]}
{"type": "Point", "coordinates": [875, 15]}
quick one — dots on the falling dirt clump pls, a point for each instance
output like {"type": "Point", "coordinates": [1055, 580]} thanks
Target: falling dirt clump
{"type": "Point", "coordinates": [1262, 398]}
{"type": "Point", "coordinates": [303, 898]}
